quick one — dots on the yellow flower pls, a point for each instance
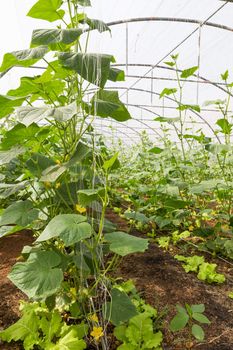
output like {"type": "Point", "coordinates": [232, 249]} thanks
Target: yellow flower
{"type": "Point", "coordinates": [73, 292]}
{"type": "Point", "coordinates": [80, 209]}
{"type": "Point", "coordinates": [58, 161]}
{"type": "Point", "coordinates": [58, 184]}
{"type": "Point", "coordinates": [191, 228]}
{"type": "Point", "coordinates": [47, 184]}
{"type": "Point", "coordinates": [94, 318]}
{"type": "Point", "coordinates": [97, 333]}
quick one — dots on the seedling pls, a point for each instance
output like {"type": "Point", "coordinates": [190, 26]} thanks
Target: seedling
{"type": "Point", "coordinates": [186, 317]}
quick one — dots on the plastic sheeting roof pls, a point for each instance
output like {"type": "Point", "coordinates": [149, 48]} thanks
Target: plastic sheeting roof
{"type": "Point", "coordinates": [147, 43]}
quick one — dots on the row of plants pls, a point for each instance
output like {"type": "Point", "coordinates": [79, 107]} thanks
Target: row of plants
{"type": "Point", "coordinates": [58, 178]}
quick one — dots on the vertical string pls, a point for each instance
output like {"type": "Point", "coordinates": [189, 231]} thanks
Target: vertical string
{"type": "Point", "coordinates": [127, 57]}
{"type": "Point", "coordinates": [152, 86]}
{"type": "Point", "coordinates": [199, 62]}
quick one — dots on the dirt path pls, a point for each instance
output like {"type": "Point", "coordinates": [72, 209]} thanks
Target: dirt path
{"type": "Point", "coordinates": [164, 283]}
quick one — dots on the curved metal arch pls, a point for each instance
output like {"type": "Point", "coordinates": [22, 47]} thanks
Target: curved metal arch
{"type": "Point", "coordinates": [167, 97]}
{"type": "Point", "coordinates": [170, 19]}
{"type": "Point", "coordinates": [172, 69]}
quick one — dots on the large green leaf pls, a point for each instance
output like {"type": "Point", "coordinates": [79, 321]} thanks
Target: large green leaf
{"type": "Point", "coordinates": [70, 342]}
{"type": "Point", "coordinates": [123, 244]}
{"type": "Point", "coordinates": [94, 68]}
{"type": "Point", "coordinates": [19, 134]}
{"type": "Point", "coordinates": [70, 228]}
{"type": "Point", "coordinates": [48, 10]}
{"type": "Point", "coordinates": [54, 36]}
{"type": "Point", "coordinates": [86, 196]}
{"type": "Point", "coordinates": [7, 190]}
{"type": "Point", "coordinates": [97, 24]}
{"type": "Point", "coordinates": [38, 163]}
{"type": "Point", "coordinates": [52, 173]}
{"type": "Point", "coordinates": [121, 308]}
{"type": "Point", "coordinates": [107, 104]}
{"type": "Point", "coordinates": [179, 321]}
{"type": "Point", "coordinates": [28, 115]}
{"type": "Point", "coordinates": [7, 156]}
{"type": "Point", "coordinates": [38, 277]}
{"type": "Point", "coordinates": [23, 58]}
{"type": "Point", "coordinates": [225, 126]}
{"type": "Point", "coordinates": [20, 213]}
{"type": "Point", "coordinates": [8, 104]}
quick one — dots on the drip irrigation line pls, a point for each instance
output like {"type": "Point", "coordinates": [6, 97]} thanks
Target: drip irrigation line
{"type": "Point", "coordinates": [180, 43]}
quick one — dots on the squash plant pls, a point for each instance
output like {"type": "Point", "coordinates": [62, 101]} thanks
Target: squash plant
{"type": "Point", "coordinates": [55, 177]}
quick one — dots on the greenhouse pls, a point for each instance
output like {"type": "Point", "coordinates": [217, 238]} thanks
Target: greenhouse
{"type": "Point", "coordinates": [116, 182]}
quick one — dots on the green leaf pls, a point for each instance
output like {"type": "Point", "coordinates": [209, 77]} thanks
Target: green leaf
{"type": "Point", "coordinates": [20, 213]}
{"type": "Point", "coordinates": [23, 58]}
{"type": "Point", "coordinates": [207, 272]}
{"type": "Point", "coordinates": [167, 120]}
{"type": "Point", "coordinates": [123, 244]}
{"type": "Point", "coordinates": [52, 173]}
{"type": "Point", "coordinates": [37, 163]}
{"type": "Point", "coordinates": [179, 321]}
{"type": "Point", "coordinates": [70, 342]}
{"type": "Point", "coordinates": [54, 36]}
{"type": "Point", "coordinates": [106, 103]}
{"type": "Point", "coordinates": [198, 332]}
{"type": "Point", "coordinates": [8, 230]}
{"type": "Point", "coordinates": [121, 308]}
{"type": "Point", "coordinates": [198, 308]}
{"type": "Point", "coordinates": [38, 277]}
{"type": "Point", "coordinates": [225, 75]}
{"type": "Point", "coordinates": [7, 156]}
{"type": "Point", "coordinates": [28, 115]}
{"type": "Point", "coordinates": [70, 228]}
{"type": "Point", "coordinates": [97, 24]}
{"type": "Point", "coordinates": [85, 197]}
{"type": "Point", "coordinates": [188, 72]}
{"type": "Point", "coordinates": [7, 190]}
{"type": "Point", "coordinates": [8, 105]}
{"type": "Point", "coordinates": [225, 126]}
{"type": "Point", "coordinates": [94, 68]}
{"type": "Point", "coordinates": [110, 162]}
{"type": "Point", "coordinates": [18, 134]}
{"type": "Point", "coordinates": [116, 74]}
{"type": "Point", "coordinates": [156, 150]}
{"type": "Point", "coordinates": [167, 92]}
{"type": "Point", "coordinates": [184, 107]}
{"type": "Point", "coordinates": [83, 2]}
{"type": "Point", "coordinates": [24, 329]}
{"type": "Point", "coordinates": [200, 318]}
{"type": "Point", "coordinates": [47, 10]}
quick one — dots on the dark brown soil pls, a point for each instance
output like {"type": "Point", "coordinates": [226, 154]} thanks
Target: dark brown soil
{"type": "Point", "coordinates": [10, 248]}
{"type": "Point", "coordinates": [159, 278]}
{"type": "Point", "coordinates": [164, 283]}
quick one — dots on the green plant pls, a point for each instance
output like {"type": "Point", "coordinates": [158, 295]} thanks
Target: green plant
{"type": "Point", "coordinates": [139, 332]}
{"type": "Point", "coordinates": [187, 317]}
{"type": "Point", "coordinates": [60, 181]}
{"type": "Point", "coordinates": [45, 329]}
{"type": "Point", "coordinates": [205, 271]}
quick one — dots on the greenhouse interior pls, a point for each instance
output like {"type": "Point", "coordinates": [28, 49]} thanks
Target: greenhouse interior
{"type": "Point", "coordinates": [116, 182]}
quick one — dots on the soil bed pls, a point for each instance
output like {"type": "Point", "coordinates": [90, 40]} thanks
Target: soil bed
{"type": "Point", "coordinates": [159, 278]}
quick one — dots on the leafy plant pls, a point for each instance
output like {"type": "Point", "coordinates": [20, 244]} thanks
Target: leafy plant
{"type": "Point", "coordinates": [139, 332]}
{"type": "Point", "coordinates": [187, 317]}
{"type": "Point", "coordinates": [45, 329]}
{"type": "Point", "coordinates": [205, 271]}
